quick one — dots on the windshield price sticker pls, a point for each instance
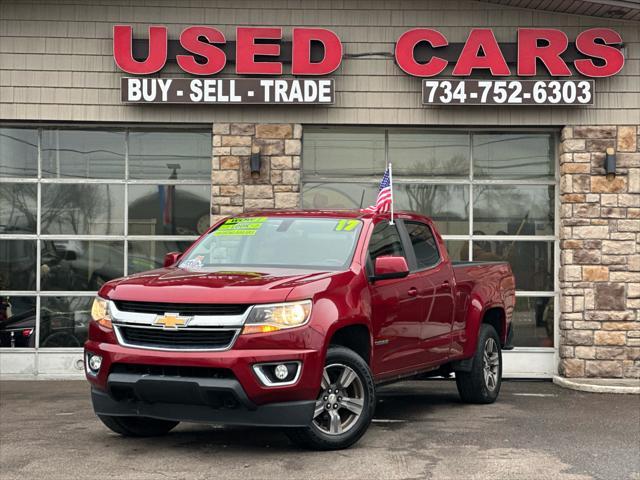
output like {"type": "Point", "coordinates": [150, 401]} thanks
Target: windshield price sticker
{"type": "Point", "coordinates": [346, 225]}
{"type": "Point", "coordinates": [507, 92]}
{"type": "Point", "coordinates": [240, 226]}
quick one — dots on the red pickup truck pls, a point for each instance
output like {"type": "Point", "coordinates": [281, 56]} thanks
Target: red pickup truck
{"type": "Point", "coordinates": [290, 319]}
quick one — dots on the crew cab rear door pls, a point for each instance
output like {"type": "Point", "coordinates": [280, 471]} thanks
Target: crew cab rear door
{"type": "Point", "coordinates": [396, 311]}
{"type": "Point", "coordinates": [433, 277]}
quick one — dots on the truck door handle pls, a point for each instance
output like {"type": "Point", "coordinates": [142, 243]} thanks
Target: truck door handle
{"type": "Point", "coordinates": [413, 291]}
{"type": "Point", "coordinates": [445, 283]}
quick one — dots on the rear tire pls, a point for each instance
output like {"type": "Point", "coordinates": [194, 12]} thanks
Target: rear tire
{"type": "Point", "coordinates": [345, 403]}
{"type": "Point", "coordinates": [482, 383]}
{"type": "Point", "coordinates": [137, 426]}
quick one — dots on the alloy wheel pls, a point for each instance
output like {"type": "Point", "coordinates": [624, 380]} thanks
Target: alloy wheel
{"type": "Point", "coordinates": [491, 364]}
{"type": "Point", "coordinates": [341, 400]}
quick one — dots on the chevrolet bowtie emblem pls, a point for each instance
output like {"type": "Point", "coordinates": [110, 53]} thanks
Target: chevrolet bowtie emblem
{"type": "Point", "coordinates": [171, 321]}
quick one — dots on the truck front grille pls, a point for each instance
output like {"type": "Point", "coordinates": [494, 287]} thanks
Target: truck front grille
{"type": "Point", "coordinates": [181, 339]}
{"type": "Point", "coordinates": [182, 308]}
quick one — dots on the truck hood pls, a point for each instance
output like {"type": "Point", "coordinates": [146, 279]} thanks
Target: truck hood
{"type": "Point", "coordinates": [177, 285]}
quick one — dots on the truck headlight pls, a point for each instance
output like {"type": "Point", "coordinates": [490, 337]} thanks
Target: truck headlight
{"type": "Point", "coordinates": [100, 312]}
{"type": "Point", "coordinates": [277, 316]}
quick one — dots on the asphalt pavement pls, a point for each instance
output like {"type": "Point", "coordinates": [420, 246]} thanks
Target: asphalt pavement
{"type": "Point", "coordinates": [421, 430]}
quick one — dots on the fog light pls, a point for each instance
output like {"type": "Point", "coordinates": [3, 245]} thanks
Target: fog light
{"type": "Point", "coordinates": [281, 372]}
{"type": "Point", "coordinates": [278, 374]}
{"type": "Point", "coordinates": [94, 362]}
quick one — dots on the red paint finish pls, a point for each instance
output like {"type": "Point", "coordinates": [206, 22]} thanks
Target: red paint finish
{"type": "Point", "coordinates": [123, 54]}
{"type": "Point", "coordinates": [481, 51]}
{"type": "Point", "coordinates": [191, 40]}
{"type": "Point", "coordinates": [428, 318]}
{"type": "Point", "coordinates": [247, 49]}
{"type": "Point", "coordinates": [530, 51]}
{"type": "Point", "coordinates": [406, 45]}
{"type": "Point", "coordinates": [587, 43]}
{"type": "Point", "coordinates": [301, 63]}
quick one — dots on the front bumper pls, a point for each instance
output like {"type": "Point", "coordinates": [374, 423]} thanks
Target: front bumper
{"type": "Point", "coordinates": [193, 399]}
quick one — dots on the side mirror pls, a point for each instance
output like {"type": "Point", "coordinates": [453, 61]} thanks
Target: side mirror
{"type": "Point", "coordinates": [171, 258]}
{"type": "Point", "coordinates": [390, 267]}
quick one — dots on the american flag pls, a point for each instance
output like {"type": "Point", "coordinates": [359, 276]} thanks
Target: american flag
{"type": "Point", "coordinates": [385, 195]}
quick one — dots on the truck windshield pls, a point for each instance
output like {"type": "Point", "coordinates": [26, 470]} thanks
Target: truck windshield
{"type": "Point", "coordinates": [285, 242]}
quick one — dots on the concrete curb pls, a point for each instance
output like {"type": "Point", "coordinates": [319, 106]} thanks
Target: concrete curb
{"type": "Point", "coordinates": [595, 385]}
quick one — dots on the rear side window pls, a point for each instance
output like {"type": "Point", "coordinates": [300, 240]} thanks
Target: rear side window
{"type": "Point", "coordinates": [424, 244]}
{"type": "Point", "coordinates": [385, 240]}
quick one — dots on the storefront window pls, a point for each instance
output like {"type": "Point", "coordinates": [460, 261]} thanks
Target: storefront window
{"type": "Point", "coordinates": [83, 209]}
{"type": "Point", "coordinates": [514, 209]}
{"type": "Point", "coordinates": [533, 319]}
{"type": "Point", "coordinates": [169, 209]}
{"type": "Point", "coordinates": [82, 154]}
{"type": "Point", "coordinates": [17, 321]}
{"type": "Point", "coordinates": [61, 239]}
{"type": "Point", "coordinates": [147, 255]}
{"type": "Point", "coordinates": [491, 195]}
{"type": "Point", "coordinates": [514, 156]}
{"type": "Point", "coordinates": [169, 155]}
{"type": "Point", "coordinates": [18, 208]}
{"type": "Point", "coordinates": [432, 154]}
{"type": "Point", "coordinates": [340, 152]}
{"type": "Point", "coordinates": [18, 152]}
{"type": "Point", "coordinates": [64, 321]}
{"type": "Point", "coordinates": [17, 265]}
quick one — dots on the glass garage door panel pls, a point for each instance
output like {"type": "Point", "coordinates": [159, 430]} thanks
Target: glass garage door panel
{"type": "Point", "coordinates": [513, 209]}
{"type": "Point", "coordinates": [19, 152]}
{"type": "Point", "coordinates": [147, 255]}
{"type": "Point", "coordinates": [83, 154]}
{"type": "Point", "coordinates": [18, 208]}
{"type": "Point", "coordinates": [18, 264]}
{"type": "Point", "coordinates": [514, 156]}
{"type": "Point", "coordinates": [17, 321]}
{"type": "Point", "coordinates": [533, 322]}
{"type": "Point", "coordinates": [64, 321]}
{"type": "Point", "coordinates": [510, 177]}
{"type": "Point", "coordinates": [416, 153]}
{"type": "Point", "coordinates": [447, 205]}
{"type": "Point", "coordinates": [64, 233]}
{"type": "Point", "coordinates": [344, 152]}
{"type": "Point", "coordinates": [82, 209]}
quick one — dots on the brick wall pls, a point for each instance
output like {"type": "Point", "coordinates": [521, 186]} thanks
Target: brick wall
{"type": "Point", "coordinates": [235, 189]}
{"type": "Point", "coordinates": [600, 253]}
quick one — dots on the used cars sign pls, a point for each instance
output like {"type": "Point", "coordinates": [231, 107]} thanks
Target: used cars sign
{"type": "Point", "coordinates": [204, 51]}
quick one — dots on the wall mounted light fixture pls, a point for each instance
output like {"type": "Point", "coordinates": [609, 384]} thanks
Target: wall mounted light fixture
{"type": "Point", "coordinates": [254, 160]}
{"type": "Point", "coordinates": [610, 163]}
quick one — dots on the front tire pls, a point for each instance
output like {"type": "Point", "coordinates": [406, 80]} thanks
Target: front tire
{"type": "Point", "coordinates": [137, 426]}
{"type": "Point", "coordinates": [482, 383]}
{"type": "Point", "coordinates": [345, 404]}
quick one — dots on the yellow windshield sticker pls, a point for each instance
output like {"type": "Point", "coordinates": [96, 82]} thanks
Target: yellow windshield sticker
{"type": "Point", "coordinates": [240, 227]}
{"type": "Point", "coordinates": [346, 225]}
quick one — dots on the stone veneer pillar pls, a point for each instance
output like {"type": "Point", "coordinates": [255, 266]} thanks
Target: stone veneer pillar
{"type": "Point", "coordinates": [600, 253]}
{"type": "Point", "coordinates": [234, 188]}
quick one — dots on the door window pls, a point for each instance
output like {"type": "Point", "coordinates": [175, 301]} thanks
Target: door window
{"type": "Point", "coordinates": [424, 244]}
{"type": "Point", "coordinates": [385, 241]}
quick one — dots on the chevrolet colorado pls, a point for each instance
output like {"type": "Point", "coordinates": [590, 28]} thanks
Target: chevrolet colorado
{"type": "Point", "coordinates": [290, 319]}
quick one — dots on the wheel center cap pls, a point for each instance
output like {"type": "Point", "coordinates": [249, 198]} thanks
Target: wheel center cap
{"type": "Point", "coordinates": [332, 398]}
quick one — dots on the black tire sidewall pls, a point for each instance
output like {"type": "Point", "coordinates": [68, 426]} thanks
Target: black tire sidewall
{"type": "Point", "coordinates": [312, 437]}
{"type": "Point", "coordinates": [472, 385]}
